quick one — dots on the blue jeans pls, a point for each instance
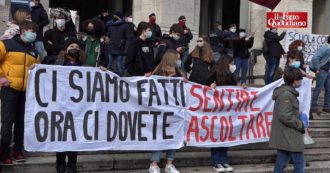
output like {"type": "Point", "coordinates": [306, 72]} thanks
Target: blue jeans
{"type": "Point", "coordinates": [241, 63]}
{"type": "Point", "coordinates": [322, 80]}
{"type": "Point", "coordinates": [283, 158]}
{"type": "Point", "coordinates": [271, 66]}
{"type": "Point", "coordinates": [155, 155]}
{"type": "Point", "coordinates": [120, 64]}
{"type": "Point", "coordinates": [219, 156]}
{"type": "Point", "coordinates": [184, 57]}
{"type": "Point", "coordinates": [40, 48]}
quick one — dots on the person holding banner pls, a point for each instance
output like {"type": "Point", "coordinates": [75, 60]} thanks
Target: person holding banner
{"type": "Point", "coordinates": [321, 64]}
{"type": "Point", "coordinates": [17, 55]}
{"type": "Point", "coordinates": [222, 74]}
{"type": "Point", "coordinates": [169, 67]}
{"type": "Point", "coordinates": [72, 55]}
{"type": "Point", "coordinates": [287, 129]}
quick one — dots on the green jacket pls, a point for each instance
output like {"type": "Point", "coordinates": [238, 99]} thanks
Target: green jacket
{"type": "Point", "coordinates": [287, 130]}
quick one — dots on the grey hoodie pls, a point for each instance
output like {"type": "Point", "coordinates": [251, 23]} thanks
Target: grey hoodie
{"type": "Point", "coordinates": [287, 130]}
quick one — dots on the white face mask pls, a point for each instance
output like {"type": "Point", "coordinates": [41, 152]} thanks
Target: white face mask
{"type": "Point", "coordinates": [130, 20]}
{"type": "Point", "coordinates": [242, 34]}
{"type": "Point", "coordinates": [232, 68]}
{"type": "Point", "coordinates": [300, 48]}
{"type": "Point", "coordinates": [60, 23]}
{"type": "Point", "coordinates": [32, 4]}
{"type": "Point", "coordinates": [233, 30]}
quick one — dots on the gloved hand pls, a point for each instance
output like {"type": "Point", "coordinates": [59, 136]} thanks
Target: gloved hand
{"type": "Point", "coordinates": [303, 117]}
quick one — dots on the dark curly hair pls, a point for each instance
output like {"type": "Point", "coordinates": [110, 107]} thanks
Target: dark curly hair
{"type": "Point", "coordinates": [98, 26]}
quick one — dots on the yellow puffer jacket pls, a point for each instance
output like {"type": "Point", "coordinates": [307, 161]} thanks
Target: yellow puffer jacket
{"type": "Point", "coordinates": [15, 59]}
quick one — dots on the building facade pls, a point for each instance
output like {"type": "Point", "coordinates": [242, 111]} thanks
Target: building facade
{"type": "Point", "coordinates": [201, 14]}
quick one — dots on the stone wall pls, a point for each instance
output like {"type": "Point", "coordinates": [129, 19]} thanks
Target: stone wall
{"type": "Point", "coordinates": [4, 14]}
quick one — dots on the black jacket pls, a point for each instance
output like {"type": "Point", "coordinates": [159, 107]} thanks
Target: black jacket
{"type": "Point", "coordinates": [241, 47]}
{"type": "Point", "coordinates": [275, 49]}
{"type": "Point", "coordinates": [140, 58]}
{"type": "Point", "coordinates": [216, 40]}
{"type": "Point", "coordinates": [156, 33]}
{"type": "Point", "coordinates": [54, 40]}
{"type": "Point", "coordinates": [166, 43]}
{"type": "Point", "coordinates": [213, 77]}
{"type": "Point", "coordinates": [120, 35]}
{"type": "Point", "coordinates": [229, 40]}
{"type": "Point", "coordinates": [185, 39]}
{"type": "Point", "coordinates": [40, 17]}
{"type": "Point", "coordinates": [199, 70]}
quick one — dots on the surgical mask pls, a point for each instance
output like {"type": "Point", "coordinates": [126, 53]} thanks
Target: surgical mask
{"type": "Point", "coordinates": [60, 23]}
{"type": "Point", "coordinates": [74, 53]}
{"type": "Point", "coordinates": [149, 34]}
{"type": "Point", "coordinates": [300, 48]}
{"type": "Point", "coordinates": [200, 44]}
{"type": "Point", "coordinates": [233, 30]}
{"type": "Point", "coordinates": [176, 37]}
{"type": "Point", "coordinates": [295, 64]}
{"type": "Point", "coordinates": [232, 68]}
{"type": "Point", "coordinates": [29, 36]}
{"type": "Point", "coordinates": [32, 4]}
{"type": "Point", "coordinates": [242, 34]}
{"type": "Point", "coordinates": [130, 20]}
{"type": "Point", "coordinates": [178, 63]}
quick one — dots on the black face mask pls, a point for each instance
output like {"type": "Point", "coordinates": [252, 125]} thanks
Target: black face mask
{"type": "Point", "coordinates": [74, 53]}
{"type": "Point", "coordinates": [90, 31]}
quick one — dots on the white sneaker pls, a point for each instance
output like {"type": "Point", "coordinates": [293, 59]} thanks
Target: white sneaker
{"type": "Point", "coordinates": [219, 168]}
{"type": "Point", "coordinates": [228, 168]}
{"type": "Point", "coordinates": [154, 169]}
{"type": "Point", "coordinates": [171, 169]}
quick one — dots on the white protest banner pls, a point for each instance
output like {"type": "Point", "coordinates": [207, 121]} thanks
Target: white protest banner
{"type": "Point", "coordinates": [312, 42]}
{"type": "Point", "coordinates": [230, 116]}
{"type": "Point", "coordinates": [86, 109]}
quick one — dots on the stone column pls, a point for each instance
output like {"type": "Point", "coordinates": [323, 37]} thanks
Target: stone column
{"type": "Point", "coordinates": [244, 15]}
{"type": "Point", "coordinates": [4, 14]}
{"type": "Point", "coordinates": [204, 17]}
{"type": "Point", "coordinates": [318, 16]}
{"type": "Point", "coordinates": [327, 16]}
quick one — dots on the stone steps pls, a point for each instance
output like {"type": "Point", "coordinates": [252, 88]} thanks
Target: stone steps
{"type": "Point", "coordinates": [313, 167]}
{"type": "Point", "coordinates": [131, 161]}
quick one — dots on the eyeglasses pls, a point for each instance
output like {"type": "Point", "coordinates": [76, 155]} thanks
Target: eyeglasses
{"type": "Point", "coordinates": [198, 41]}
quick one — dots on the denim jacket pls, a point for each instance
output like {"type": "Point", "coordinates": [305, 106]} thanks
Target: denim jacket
{"type": "Point", "coordinates": [321, 57]}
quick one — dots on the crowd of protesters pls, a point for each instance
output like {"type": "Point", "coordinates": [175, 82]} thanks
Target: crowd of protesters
{"type": "Point", "coordinates": [114, 43]}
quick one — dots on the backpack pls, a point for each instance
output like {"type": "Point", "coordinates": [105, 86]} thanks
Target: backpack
{"type": "Point", "coordinates": [265, 49]}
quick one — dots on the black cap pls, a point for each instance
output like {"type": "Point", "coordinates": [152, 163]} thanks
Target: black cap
{"type": "Point", "coordinates": [152, 14]}
{"type": "Point", "coordinates": [71, 40]}
{"type": "Point", "coordinates": [182, 17]}
{"type": "Point", "coordinates": [127, 14]}
{"type": "Point", "coordinates": [241, 30]}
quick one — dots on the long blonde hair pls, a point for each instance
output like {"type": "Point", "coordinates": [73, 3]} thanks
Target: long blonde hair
{"type": "Point", "coordinates": [168, 64]}
{"type": "Point", "coordinates": [205, 52]}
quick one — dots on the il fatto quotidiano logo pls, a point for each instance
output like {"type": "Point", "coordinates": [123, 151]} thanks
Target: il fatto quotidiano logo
{"type": "Point", "coordinates": [287, 20]}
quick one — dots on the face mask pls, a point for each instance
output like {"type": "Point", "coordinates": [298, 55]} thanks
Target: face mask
{"type": "Point", "coordinates": [232, 68]}
{"type": "Point", "coordinates": [90, 31]}
{"type": "Point", "coordinates": [178, 63]}
{"type": "Point", "coordinates": [300, 48]}
{"type": "Point", "coordinates": [176, 37]}
{"type": "Point", "coordinates": [298, 85]}
{"type": "Point", "coordinates": [182, 23]}
{"type": "Point", "coordinates": [295, 64]}
{"type": "Point", "coordinates": [60, 23]}
{"type": "Point", "coordinates": [130, 20]}
{"type": "Point", "coordinates": [32, 4]}
{"type": "Point", "coordinates": [242, 34]}
{"type": "Point", "coordinates": [233, 30]}
{"type": "Point", "coordinates": [74, 53]}
{"type": "Point", "coordinates": [149, 34]}
{"type": "Point", "coordinates": [29, 36]}
{"type": "Point", "coordinates": [200, 44]}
